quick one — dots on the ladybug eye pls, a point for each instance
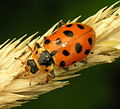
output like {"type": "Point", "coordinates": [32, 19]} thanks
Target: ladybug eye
{"type": "Point", "coordinates": [80, 26]}
{"type": "Point", "coordinates": [68, 33]}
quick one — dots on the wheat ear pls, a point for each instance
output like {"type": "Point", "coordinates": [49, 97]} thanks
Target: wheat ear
{"type": "Point", "coordinates": [14, 89]}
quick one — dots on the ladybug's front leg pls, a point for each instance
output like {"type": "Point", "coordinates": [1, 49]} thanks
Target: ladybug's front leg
{"type": "Point", "coordinates": [50, 76]}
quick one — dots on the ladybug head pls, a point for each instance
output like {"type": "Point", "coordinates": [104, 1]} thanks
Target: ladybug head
{"type": "Point", "coordinates": [45, 59]}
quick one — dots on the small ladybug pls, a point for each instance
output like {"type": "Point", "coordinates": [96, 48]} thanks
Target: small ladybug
{"type": "Point", "coordinates": [69, 44]}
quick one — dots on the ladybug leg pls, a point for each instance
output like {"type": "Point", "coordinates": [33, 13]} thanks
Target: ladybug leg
{"type": "Point", "coordinates": [92, 52]}
{"type": "Point", "coordinates": [30, 82]}
{"type": "Point", "coordinates": [30, 48]}
{"type": "Point", "coordinates": [66, 69]}
{"type": "Point", "coordinates": [37, 45]}
{"type": "Point", "coordinates": [50, 76]}
{"type": "Point", "coordinates": [47, 78]}
{"type": "Point", "coordinates": [61, 23]}
{"type": "Point", "coordinates": [26, 69]}
{"type": "Point", "coordinates": [23, 62]}
{"type": "Point", "coordinates": [84, 61]}
{"type": "Point", "coordinates": [20, 60]}
{"type": "Point", "coordinates": [20, 57]}
{"type": "Point", "coordinates": [23, 53]}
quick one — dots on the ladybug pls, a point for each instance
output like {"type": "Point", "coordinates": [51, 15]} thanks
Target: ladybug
{"type": "Point", "coordinates": [69, 44]}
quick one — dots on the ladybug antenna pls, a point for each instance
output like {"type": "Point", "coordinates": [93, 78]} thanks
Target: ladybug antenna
{"type": "Point", "coordinates": [29, 47]}
{"type": "Point", "coordinates": [20, 57]}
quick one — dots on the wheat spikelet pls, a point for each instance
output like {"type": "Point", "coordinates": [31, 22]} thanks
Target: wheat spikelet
{"type": "Point", "coordinates": [106, 23]}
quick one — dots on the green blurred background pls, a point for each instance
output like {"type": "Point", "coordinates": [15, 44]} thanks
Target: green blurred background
{"type": "Point", "coordinates": [98, 87]}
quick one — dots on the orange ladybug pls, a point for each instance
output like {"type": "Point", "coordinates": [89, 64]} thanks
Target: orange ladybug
{"type": "Point", "coordinates": [69, 44]}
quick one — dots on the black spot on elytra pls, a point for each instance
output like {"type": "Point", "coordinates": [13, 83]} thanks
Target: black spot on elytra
{"type": "Point", "coordinates": [80, 26]}
{"type": "Point", "coordinates": [62, 63]}
{"type": "Point", "coordinates": [87, 51]}
{"type": "Point", "coordinates": [78, 47]}
{"type": "Point", "coordinates": [47, 41]}
{"type": "Point", "coordinates": [90, 41]}
{"type": "Point", "coordinates": [68, 33]}
{"type": "Point", "coordinates": [69, 25]}
{"type": "Point", "coordinates": [53, 53]}
{"type": "Point", "coordinates": [58, 41]}
{"type": "Point", "coordinates": [65, 53]}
